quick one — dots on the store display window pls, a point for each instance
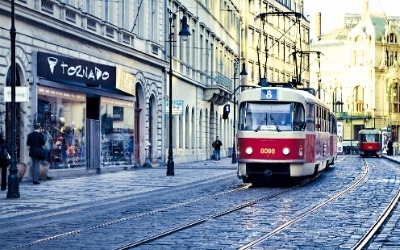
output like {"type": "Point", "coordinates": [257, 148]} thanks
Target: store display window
{"type": "Point", "coordinates": [117, 120]}
{"type": "Point", "coordinates": [62, 115]}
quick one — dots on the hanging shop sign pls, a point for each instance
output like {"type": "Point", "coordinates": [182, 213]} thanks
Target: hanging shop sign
{"type": "Point", "coordinates": [125, 82]}
{"type": "Point", "coordinates": [21, 94]}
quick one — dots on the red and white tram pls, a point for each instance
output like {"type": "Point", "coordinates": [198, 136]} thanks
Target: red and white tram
{"type": "Point", "coordinates": [283, 132]}
{"type": "Point", "coordinates": [369, 142]}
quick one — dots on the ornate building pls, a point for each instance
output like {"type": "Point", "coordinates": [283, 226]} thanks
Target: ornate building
{"type": "Point", "coordinates": [359, 71]}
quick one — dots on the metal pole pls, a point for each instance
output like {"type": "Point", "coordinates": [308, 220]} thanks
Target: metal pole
{"type": "Point", "coordinates": [13, 181]}
{"type": "Point", "coordinates": [390, 108]}
{"type": "Point", "coordinates": [170, 163]}
{"type": "Point", "coordinates": [234, 158]}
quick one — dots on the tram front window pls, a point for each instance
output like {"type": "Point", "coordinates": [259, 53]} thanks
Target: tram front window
{"type": "Point", "coordinates": [271, 116]}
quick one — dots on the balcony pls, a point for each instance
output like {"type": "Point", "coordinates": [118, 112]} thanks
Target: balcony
{"type": "Point", "coordinates": [220, 91]}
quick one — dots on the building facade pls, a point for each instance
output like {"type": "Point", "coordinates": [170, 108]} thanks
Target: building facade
{"type": "Point", "coordinates": [276, 42]}
{"type": "Point", "coordinates": [359, 71]}
{"type": "Point", "coordinates": [93, 74]}
{"type": "Point", "coordinates": [205, 69]}
{"type": "Point", "coordinates": [97, 75]}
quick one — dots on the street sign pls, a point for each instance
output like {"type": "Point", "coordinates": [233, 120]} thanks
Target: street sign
{"type": "Point", "coordinates": [177, 107]}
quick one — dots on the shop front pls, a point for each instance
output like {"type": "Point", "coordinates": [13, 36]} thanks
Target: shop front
{"type": "Point", "coordinates": [86, 111]}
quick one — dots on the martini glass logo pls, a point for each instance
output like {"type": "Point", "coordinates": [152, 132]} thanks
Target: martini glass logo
{"type": "Point", "coordinates": [52, 63]}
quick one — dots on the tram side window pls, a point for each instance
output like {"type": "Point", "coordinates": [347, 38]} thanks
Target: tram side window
{"type": "Point", "coordinates": [332, 124]}
{"type": "Point", "coordinates": [298, 117]}
{"type": "Point", "coordinates": [310, 118]}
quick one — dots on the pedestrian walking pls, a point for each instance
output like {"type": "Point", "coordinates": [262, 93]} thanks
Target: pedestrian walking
{"type": "Point", "coordinates": [4, 161]}
{"type": "Point", "coordinates": [217, 149]}
{"type": "Point", "coordinates": [35, 140]}
{"type": "Point", "coordinates": [131, 148]}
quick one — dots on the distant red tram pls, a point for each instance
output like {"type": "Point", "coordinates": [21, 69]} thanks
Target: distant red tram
{"type": "Point", "coordinates": [283, 132]}
{"type": "Point", "coordinates": [370, 143]}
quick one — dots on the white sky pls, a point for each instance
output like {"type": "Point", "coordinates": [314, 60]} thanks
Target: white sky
{"type": "Point", "coordinates": [333, 10]}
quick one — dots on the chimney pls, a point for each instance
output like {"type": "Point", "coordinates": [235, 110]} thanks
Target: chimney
{"type": "Point", "coordinates": [364, 10]}
{"type": "Point", "coordinates": [317, 19]}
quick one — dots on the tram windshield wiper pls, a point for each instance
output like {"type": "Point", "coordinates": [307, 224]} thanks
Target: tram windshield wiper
{"type": "Point", "coordinates": [261, 123]}
{"type": "Point", "coordinates": [274, 123]}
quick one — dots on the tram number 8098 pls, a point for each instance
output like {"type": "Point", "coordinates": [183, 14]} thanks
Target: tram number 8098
{"type": "Point", "coordinates": [268, 151]}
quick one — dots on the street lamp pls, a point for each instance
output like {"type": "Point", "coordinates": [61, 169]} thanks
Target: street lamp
{"type": "Point", "coordinates": [184, 33]}
{"type": "Point", "coordinates": [13, 182]}
{"type": "Point", "coordinates": [242, 73]}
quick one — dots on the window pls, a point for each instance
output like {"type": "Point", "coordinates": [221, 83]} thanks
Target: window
{"type": "Point", "coordinates": [117, 118]}
{"type": "Point", "coordinates": [271, 116]}
{"type": "Point", "coordinates": [62, 115]}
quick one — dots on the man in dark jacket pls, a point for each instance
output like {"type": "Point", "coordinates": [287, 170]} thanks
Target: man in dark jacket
{"type": "Point", "coordinates": [35, 140]}
{"type": "Point", "coordinates": [3, 161]}
{"type": "Point", "coordinates": [217, 149]}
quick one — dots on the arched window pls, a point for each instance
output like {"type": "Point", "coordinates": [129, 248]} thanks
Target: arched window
{"type": "Point", "coordinates": [192, 125]}
{"type": "Point", "coordinates": [181, 131]}
{"type": "Point", "coordinates": [358, 99]}
{"type": "Point", "coordinates": [358, 39]}
{"type": "Point", "coordinates": [187, 128]}
{"type": "Point", "coordinates": [201, 129]}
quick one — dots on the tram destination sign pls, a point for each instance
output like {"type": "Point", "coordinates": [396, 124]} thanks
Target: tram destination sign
{"type": "Point", "coordinates": [269, 94]}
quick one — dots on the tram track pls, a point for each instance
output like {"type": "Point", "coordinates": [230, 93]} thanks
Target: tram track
{"type": "Point", "coordinates": [201, 220]}
{"type": "Point", "coordinates": [177, 228]}
{"type": "Point", "coordinates": [164, 233]}
{"type": "Point", "coordinates": [373, 230]}
{"type": "Point", "coordinates": [307, 213]}
{"type": "Point", "coordinates": [128, 218]}
{"type": "Point", "coordinates": [99, 205]}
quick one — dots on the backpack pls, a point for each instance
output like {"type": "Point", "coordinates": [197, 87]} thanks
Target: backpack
{"type": "Point", "coordinates": [4, 155]}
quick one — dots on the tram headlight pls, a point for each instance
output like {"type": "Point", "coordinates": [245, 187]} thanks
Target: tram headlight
{"type": "Point", "coordinates": [249, 150]}
{"type": "Point", "coordinates": [285, 151]}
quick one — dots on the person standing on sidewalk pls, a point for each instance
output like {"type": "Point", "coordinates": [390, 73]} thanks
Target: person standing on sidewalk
{"type": "Point", "coordinates": [217, 149]}
{"type": "Point", "coordinates": [4, 161]}
{"type": "Point", "coordinates": [35, 140]}
{"type": "Point", "coordinates": [390, 148]}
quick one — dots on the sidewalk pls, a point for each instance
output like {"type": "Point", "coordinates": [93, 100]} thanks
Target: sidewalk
{"type": "Point", "coordinates": [69, 192]}
{"type": "Point", "coordinates": [395, 158]}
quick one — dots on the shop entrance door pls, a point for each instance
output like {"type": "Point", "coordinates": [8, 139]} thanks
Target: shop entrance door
{"type": "Point", "coordinates": [92, 144]}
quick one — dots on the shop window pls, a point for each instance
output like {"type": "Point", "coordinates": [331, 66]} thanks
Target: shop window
{"type": "Point", "coordinates": [117, 120]}
{"type": "Point", "coordinates": [62, 115]}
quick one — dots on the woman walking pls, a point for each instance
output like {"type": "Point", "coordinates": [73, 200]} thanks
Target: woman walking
{"type": "Point", "coordinates": [4, 160]}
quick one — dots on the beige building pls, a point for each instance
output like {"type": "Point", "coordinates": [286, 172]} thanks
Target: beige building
{"type": "Point", "coordinates": [276, 42]}
{"type": "Point", "coordinates": [358, 72]}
